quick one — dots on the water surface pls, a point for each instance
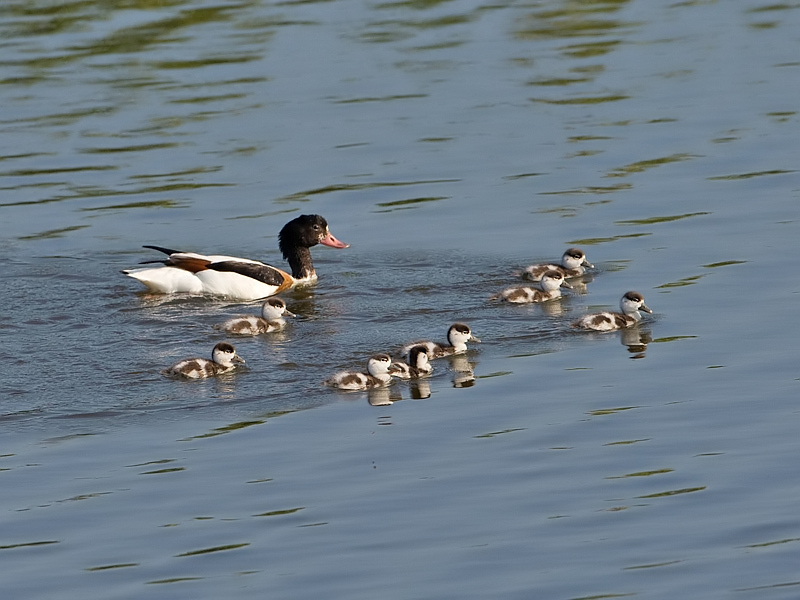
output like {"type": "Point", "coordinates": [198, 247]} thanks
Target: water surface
{"type": "Point", "coordinates": [451, 143]}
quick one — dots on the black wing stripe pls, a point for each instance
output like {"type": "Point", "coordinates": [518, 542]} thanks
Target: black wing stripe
{"type": "Point", "coordinates": [162, 249]}
{"type": "Point", "coordinates": [263, 273]}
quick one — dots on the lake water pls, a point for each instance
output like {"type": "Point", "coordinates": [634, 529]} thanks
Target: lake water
{"type": "Point", "coordinates": [450, 143]}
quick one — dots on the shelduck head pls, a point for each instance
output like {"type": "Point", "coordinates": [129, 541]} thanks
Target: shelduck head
{"type": "Point", "coordinates": [459, 334]}
{"type": "Point", "coordinates": [552, 280]}
{"type": "Point", "coordinates": [306, 231]}
{"type": "Point", "coordinates": [380, 366]}
{"type": "Point", "coordinates": [575, 258]}
{"type": "Point", "coordinates": [275, 308]}
{"type": "Point", "coordinates": [300, 234]}
{"type": "Point", "coordinates": [225, 354]}
{"type": "Point", "coordinates": [418, 359]}
{"type": "Point", "coordinates": [631, 303]}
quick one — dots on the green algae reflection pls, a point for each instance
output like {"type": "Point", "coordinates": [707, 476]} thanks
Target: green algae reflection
{"type": "Point", "coordinates": [52, 233]}
{"type": "Point", "coordinates": [213, 549]}
{"type": "Point", "coordinates": [654, 220]}
{"type": "Point", "coordinates": [408, 203]}
{"type": "Point", "coordinates": [644, 165]}
{"type": "Point", "coordinates": [749, 175]}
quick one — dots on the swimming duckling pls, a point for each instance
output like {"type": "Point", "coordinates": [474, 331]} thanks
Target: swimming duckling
{"type": "Point", "coordinates": [271, 319]}
{"type": "Point", "coordinates": [223, 357]}
{"type": "Point", "coordinates": [551, 282]}
{"type": "Point", "coordinates": [418, 364]}
{"type": "Point", "coordinates": [378, 374]}
{"type": "Point", "coordinates": [630, 305]}
{"type": "Point", "coordinates": [457, 337]}
{"type": "Point", "coordinates": [573, 264]}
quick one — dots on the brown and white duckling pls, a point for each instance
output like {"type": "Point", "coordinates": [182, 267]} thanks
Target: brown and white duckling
{"type": "Point", "coordinates": [550, 282]}
{"type": "Point", "coordinates": [378, 374]}
{"type": "Point", "coordinates": [418, 364]}
{"type": "Point", "coordinates": [240, 278]}
{"type": "Point", "coordinates": [457, 337]}
{"type": "Point", "coordinates": [573, 264]}
{"type": "Point", "coordinates": [630, 305]}
{"type": "Point", "coordinates": [271, 319]}
{"type": "Point", "coordinates": [223, 359]}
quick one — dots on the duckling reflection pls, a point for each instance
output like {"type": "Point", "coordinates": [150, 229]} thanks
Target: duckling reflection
{"type": "Point", "coordinates": [579, 284]}
{"type": "Point", "coordinates": [278, 345]}
{"type": "Point", "coordinates": [382, 396]}
{"type": "Point", "coordinates": [636, 339]}
{"type": "Point", "coordinates": [554, 309]}
{"type": "Point", "coordinates": [463, 374]}
{"type": "Point", "coordinates": [420, 389]}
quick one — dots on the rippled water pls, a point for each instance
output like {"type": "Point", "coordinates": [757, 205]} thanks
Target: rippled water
{"type": "Point", "coordinates": [451, 143]}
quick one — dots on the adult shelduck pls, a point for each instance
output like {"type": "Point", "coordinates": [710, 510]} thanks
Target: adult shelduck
{"type": "Point", "coordinates": [240, 278]}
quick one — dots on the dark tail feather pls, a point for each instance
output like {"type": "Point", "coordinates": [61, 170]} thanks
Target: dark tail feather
{"type": "Point", "coordinates": [150, 262]}
{"type": "Point", "coordinates": [161, 249]}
